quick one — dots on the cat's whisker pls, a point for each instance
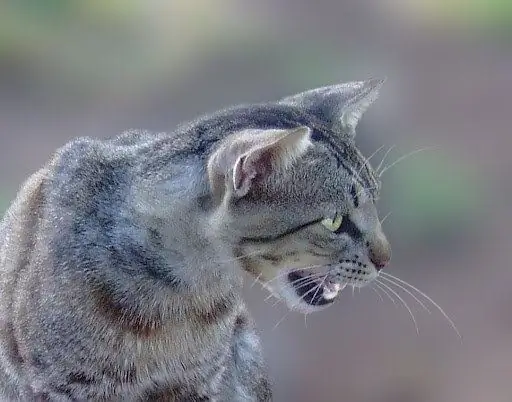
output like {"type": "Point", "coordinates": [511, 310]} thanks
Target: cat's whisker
{"type": "Point", "coordinates": [306, 283]}
{"type": "Point", "coordinates": [375, 153]}
{"type": "Point", "coordinates": [452, 324]}
{"type": "Point", "coordinates": [367, 161]}
{"type": "Point", "coordinates": [256, 280]}
{"type": "Point", "coordinates": [404, 304]}
{"type": "Point", "coordinates": [366, 189]}
{"type": "Point", "coordinates": [278, 300]}
{"type": "Point", "coordinates": [384, 158]}
{"type": "Point", "coordinates": [296, 304]}
{"type": "Point", "coordinates": [377, 293]}
{"type": "Point", "coordinates": [307, 280]}
{"type": "Point", "coordinates": [386, 293]}
{"type": "Point", "coordinates": [319, 286]}
{"type": "Point", "coordinates": [406, 291]}
{"type": "Point", "coordinates": [386, 217]}
{"type": "Point", "coordinates": [403, 157]}
{"type": "Point", "coordinates": [287, 271]}
{"type": "Point", "coordinates": [270, 296]}
{"type": "Point", "coordinates": [281, 320]}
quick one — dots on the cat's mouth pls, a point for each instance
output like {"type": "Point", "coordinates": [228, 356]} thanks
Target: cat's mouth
{"type": "Point", "coordinates": [314, 290]}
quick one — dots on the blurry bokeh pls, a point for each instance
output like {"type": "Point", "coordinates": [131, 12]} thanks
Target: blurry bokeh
{"type": "Point", "coordinates": [95, 68]}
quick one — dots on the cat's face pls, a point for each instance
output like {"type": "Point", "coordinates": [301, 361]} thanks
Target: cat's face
{"type": "Point", "coordinates": [297, 201]}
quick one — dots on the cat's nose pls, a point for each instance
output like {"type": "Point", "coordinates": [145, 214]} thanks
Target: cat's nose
{"type": "Point", "coordinates": [379, 251]}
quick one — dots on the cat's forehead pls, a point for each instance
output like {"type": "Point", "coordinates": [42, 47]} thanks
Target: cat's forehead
{"type": "Point", "coordinates": [271, 115]}
{"type": "Point", "coordinates": [350, 160]}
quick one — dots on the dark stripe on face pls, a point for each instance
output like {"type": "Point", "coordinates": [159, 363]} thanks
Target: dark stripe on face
{"type": "Point", "coordinates": [349, 227]}
{"type": "Point", "coordinates": [220, 309]}
{"type": "Point", "coordinates": [263, 239]}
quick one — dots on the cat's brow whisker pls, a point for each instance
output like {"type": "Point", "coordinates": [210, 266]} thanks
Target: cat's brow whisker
{"type": "Point", "coordinates": [367, 161]}
{"type": "Point", "coordinates": [403, 157]}
{"type": "Point", "coordinates": [389, 280]}
{"type": "Point", "coordinates": [452, 324]}
{"type": "Point", "coordinates": [404, 304]}
{"type": "Point", "coordinates": [365, 189]}
{"type": "Point", "coordinates": [386, 293]}
{"type": "Point", "coordinates": [384, 158]}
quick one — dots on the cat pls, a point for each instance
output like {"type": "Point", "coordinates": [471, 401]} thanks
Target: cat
{"type": "Point", "coordinates": [122, 260]}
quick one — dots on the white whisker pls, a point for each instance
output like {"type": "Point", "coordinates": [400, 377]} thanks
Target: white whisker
{"type": "Point", "coordinates": [377, 293]}
{"type": "Point", "coordinates": [256, 280]}
{"type": "Point", "coordinates": [303, 281]}
{"type": "Point", "coordinates": [404, 304]}
{"type": "Point", "coordinates": [287, 271]}
{"type": "Point", "coordinates": [386, 293]}
{"type": "Point", "coordinates": [367, 162]}
{"type": "Point", "coordinates": [281, 320]}
{"type": "Point", "coordinates": [426, 297]}
{"type": "Point", "coordinates": [384, 219]}
{"type": "Point", "coordinates": [318, 287]}
{"type": "Point", "coordinates": [406, 291]}
{"type": "Point", "coordinates": [384, 158]}
{"type": "Point", "coordinates": [270, 296]}
{"type": "Point", "coordinates": [404, 157]}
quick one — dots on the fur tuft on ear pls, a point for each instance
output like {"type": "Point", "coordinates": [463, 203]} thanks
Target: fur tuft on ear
{"type": "Point", "coordinates": [340, 106]}
{"type": "Point", "coordinates": [251, 155]}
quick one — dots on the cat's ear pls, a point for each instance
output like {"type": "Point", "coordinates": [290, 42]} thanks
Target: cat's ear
{"type": "Point", "coordinates": [249, 156]}
{"type": "Point", "coordinates": [340, 106]}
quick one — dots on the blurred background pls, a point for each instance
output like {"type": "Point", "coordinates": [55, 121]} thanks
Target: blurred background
{"type": "Point", "coordinates": [95, 68]}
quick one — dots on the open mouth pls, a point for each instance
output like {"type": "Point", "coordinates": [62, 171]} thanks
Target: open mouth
{"type": "Point", "coordinates": [315, 291]}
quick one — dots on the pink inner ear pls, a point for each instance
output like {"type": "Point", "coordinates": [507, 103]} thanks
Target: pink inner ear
{"type": "Point", "coordinates": [250, 168]}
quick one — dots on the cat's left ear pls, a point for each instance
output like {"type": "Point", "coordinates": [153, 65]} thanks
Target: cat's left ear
{"type": "Point", "coordinates": [250, 156]}
{"type": "Point", "coordinates": [340, 106]}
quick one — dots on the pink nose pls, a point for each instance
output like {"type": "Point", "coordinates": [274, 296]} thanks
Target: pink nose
{"type": "Point", "coordinates": [379, 252]}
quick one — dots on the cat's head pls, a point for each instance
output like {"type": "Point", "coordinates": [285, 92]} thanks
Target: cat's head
{"type": "Point", "coordinates": [296, 198]}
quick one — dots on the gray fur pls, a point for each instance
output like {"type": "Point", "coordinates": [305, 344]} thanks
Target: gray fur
{"type": "Point", "coordinates": [122, 259]}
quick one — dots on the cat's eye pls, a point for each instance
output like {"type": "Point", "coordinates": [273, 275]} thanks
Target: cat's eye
{"type": "Point", "coordinates": [333, 224]}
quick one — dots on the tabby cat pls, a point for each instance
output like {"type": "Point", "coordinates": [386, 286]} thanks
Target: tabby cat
{"type": "Point", "coordinates": [122, 259]}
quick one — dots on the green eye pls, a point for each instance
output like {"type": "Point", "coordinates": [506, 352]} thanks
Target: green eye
{"type": "Point", "coordinates": [333, 224]}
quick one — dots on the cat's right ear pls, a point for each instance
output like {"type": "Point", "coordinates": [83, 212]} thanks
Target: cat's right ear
{"type": "Point", "coordinates": [248, 157]}
{"type": "Point", "coordinates": [339, 106]}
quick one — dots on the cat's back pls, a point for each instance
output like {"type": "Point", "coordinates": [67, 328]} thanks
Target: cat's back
{"type": "Point", "coordinates": [18, 232]}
